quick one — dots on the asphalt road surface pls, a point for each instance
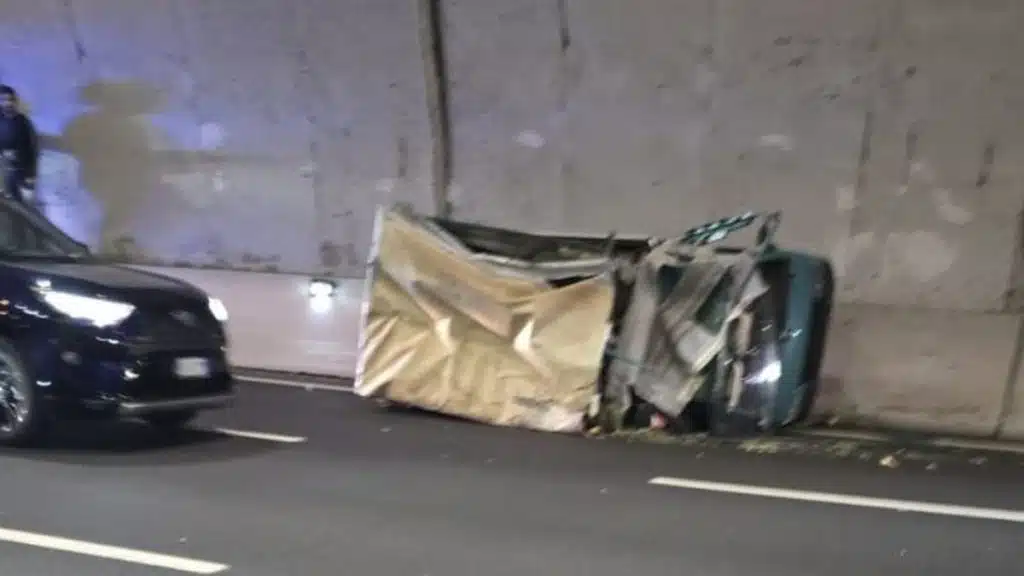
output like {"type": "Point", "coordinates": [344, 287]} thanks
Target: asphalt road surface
{"type": "Point", "coordinates": [310, 483]}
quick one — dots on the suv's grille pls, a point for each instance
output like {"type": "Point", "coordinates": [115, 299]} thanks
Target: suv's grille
{"type": "Point", "coordinates": [157, 381]}
{"type": "Point", "coordinates": [172, 328]}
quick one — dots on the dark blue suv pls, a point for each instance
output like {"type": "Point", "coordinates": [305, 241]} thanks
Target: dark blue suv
{"type": "Point", "coordinates": [80, 337]}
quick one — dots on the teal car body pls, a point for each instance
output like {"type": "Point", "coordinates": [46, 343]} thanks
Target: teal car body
{"type": "Point", "coordinates": [795, 313]}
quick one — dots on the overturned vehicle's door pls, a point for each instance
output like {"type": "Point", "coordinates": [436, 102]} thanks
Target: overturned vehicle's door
{"type": "Point", "coordinates": [718, 336]}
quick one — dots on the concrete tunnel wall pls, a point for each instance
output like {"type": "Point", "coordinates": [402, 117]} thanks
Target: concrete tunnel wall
{"type": "Point", "coordinates": [259, 134]}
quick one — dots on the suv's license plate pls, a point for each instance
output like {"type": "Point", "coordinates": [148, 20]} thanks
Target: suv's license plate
{"type": "Point", "coordinates": [191, 367]}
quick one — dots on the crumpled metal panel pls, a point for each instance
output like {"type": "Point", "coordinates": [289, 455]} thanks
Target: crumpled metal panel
{"type": "Point", "coordinates": [666, 352]}
{"type": "Point", "coordinates": [450, 332]}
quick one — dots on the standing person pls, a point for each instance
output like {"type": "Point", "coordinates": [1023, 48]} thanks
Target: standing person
{"type": "Point", "coordinates": [19, 148]}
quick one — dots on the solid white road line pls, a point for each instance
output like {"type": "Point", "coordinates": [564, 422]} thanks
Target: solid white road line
{"type": "Point", "coordinates": [296, 384]}
{"type": "Point", "coordinates": [126, 555]}
{"type": "Point", "coordinates": [261, 436]}
{"type": "Point", "coordinates": [1015, 516]}
{"type": "Point", "coordinates": [983, 445]}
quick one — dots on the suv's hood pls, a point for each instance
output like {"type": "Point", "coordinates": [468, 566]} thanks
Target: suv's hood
{"type": "Point", "coordinates": [108, 279]}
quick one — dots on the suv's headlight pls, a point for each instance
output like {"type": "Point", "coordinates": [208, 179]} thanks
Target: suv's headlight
{"type": "Point", "coordinates": [97, 311]}
{"type": "Point", "coordinates": [218, 309]}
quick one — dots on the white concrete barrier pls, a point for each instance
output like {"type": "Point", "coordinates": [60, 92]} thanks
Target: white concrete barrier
{"type": "Point", "coordinates": [930, 370]}
{"type": "Point", "coordinates": [273, 323]}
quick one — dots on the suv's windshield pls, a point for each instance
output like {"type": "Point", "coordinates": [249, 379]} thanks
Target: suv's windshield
{"type": "Point", "coordinates": [27, 234]}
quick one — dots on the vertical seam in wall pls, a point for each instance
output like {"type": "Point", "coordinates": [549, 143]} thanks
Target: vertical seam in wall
{"type": "Point", "coordinates": [432, 52]}
{"type": "Point", "coordinates": [564, 44]}
{"type": "Point", "coordinates": [1010, 388]}
{"type": "Point", "coordinates": [708, 108]}
{"type": "Point", "coordinates": [1011, 297]}
{"type": "Point", "coordinates": [75, 32]}
{"type": "Point", "coordinates": [564, 39]}
{"type": "Point", "coordinates": [863, 159]}
{"type": "Point", "coordinates": [886, 19]}
{"type": "Point", "coordinates": [1011, 306]}
{"type": "Point", "coordinates": [321, 216]}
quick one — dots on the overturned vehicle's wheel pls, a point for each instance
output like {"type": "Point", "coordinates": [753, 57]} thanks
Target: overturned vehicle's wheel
{"type": "Point", "coordinates": [22, 418]}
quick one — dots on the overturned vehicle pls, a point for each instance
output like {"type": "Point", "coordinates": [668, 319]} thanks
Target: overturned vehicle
{"type": "Point", "coordinates": [562, 333]}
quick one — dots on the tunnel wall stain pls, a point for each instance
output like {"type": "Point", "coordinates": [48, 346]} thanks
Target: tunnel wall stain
{"type": "Point", "coordinates": [248, 135]}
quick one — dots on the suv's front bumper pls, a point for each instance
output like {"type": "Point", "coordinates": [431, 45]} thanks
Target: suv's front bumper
{"type": "Point", "coordinates": [134, 409]}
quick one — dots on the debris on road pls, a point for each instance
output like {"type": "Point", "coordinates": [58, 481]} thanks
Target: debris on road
{"type": "Point", "coordinates": [889, 461]}
{"type": "Point", "coordinates": [593, 334]}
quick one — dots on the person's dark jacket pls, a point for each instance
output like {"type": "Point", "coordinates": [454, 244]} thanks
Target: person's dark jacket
{"type": "Point", "coordinates": [18, 135]}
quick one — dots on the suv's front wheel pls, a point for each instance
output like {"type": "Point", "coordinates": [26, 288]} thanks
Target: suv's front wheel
{"type": "Point", "coordinates": [22, 414]}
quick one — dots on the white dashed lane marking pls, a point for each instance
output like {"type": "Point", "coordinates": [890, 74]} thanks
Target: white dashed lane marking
{"type": "Point", "coordinates": [116, 553]}
{"type": "Point", "coordinates": [265, 436]}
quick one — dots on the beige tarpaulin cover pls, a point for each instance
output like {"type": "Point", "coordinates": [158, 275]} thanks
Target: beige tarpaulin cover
{"type": "Point", "coordinates": [446, 333]}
